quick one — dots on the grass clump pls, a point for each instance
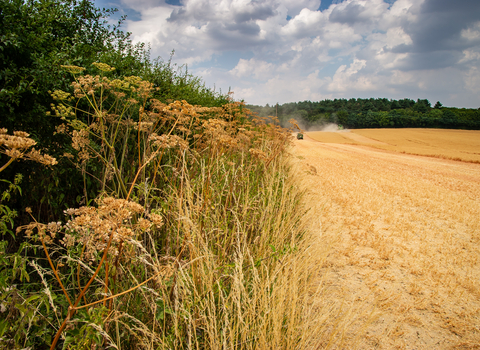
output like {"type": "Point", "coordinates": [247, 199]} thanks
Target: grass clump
{"type": "Point", "coordinates": [193, 238]}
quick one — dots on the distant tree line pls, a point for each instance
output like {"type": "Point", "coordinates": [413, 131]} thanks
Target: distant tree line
{"type": "Point", "coordinates": [373, 113]}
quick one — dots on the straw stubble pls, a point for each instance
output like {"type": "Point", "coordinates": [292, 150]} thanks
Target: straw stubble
{"type": "Point", "coordinates": [405, 228]}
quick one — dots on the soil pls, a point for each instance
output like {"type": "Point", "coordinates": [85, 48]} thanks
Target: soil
{"type": "Point", "coordinates": [405, 234]}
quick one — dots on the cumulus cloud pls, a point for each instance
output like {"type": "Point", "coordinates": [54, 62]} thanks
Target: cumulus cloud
{"type": "Point", "coordinates": [252, 68]}
{"type": "Point", "coordinates": [289, 50]}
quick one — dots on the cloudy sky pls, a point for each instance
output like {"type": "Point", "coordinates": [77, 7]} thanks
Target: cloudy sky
{"type": "Point", "coordinates": [270, 51]}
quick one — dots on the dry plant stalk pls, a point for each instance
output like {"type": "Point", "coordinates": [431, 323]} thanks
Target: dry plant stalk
{"type": "Point", "coordinates": [20, 146]}
{"type": "Point", "coordinates": [198, 224]}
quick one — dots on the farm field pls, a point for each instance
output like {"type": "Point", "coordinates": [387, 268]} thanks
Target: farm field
{"type": "Point", "coordinates": [461, 145]}
{"type": "Point", "coordinates": [404, 266]}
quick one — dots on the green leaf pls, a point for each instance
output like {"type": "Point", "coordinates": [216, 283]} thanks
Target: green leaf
{"type": "Point", "coordinates": [32, 298]}
{"type": "Point", "coordinates": [3, 327]}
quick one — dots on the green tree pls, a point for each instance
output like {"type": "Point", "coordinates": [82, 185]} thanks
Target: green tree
{"type": "Point", "coordinates": [36, 38]}
{"type": "Point", "coordinates": [342, 117]}
{"type": "Point", "coordinates": [395, 105]}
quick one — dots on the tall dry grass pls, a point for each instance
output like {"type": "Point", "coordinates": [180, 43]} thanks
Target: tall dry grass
{"type": "Point", "coordinates": [196, 239]}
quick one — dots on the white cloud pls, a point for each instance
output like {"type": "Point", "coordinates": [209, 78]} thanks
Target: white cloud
{"type": "Point", "coordinates": [352, 49]}
{"type": "Point", "coordinates": [252, 68]}
{"type": "Point", "coordinates": [472, 33]}
{"type": "Point", "coordinates": [346, 78]}
{"type": "Point", "coordinates": [306, 23]}
{"type": "Point", "coordinates": [472, 80]}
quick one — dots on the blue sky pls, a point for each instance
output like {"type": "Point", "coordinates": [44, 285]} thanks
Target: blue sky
{"type": "Point", "coordinates": [270, 51]}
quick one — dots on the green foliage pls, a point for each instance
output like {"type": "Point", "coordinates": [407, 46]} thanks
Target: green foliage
{"type": "Point", "coordinates": [26, 309]}
{"type": "Point", "coordinates": [175, 83]}
{"type": "Point", "coordinates": [192, 212]}
{"type": "Point", "coordinates": [36, 38]}
{"type": "Point", "coordinates": [375, 113]}
{"type": "Point", "coordinates": [7, 215]}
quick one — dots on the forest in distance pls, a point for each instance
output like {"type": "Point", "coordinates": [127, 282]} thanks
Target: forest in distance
{"type": "Point", "coordinates": [359, 113]}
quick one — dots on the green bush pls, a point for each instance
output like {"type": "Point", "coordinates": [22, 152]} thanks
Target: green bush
{"type": "Point", "coordinates": [194, 238]}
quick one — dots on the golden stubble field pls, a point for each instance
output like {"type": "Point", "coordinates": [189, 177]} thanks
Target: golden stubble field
{"type": "Point", "coordinates": [404, 265]}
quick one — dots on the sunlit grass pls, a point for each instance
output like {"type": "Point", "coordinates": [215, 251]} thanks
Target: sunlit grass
{"type": "Point", "coordinates": [461, 145]}
{"type": "Point", "coordinates": [407, 246]}
{"type": "Point", "coordinates": [197, 238]}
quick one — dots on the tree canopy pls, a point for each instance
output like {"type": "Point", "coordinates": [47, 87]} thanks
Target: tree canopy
{"type": "Point", "coordinates": [374, 113]}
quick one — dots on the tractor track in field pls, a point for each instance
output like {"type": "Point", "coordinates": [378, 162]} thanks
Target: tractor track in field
{"type": "Point", "coordinates": [404, 231]}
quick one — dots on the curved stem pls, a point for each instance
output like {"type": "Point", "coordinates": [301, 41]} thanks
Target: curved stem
{"type": "Point", "coordinates": [55, 272]}
{"type": "Point", "coordinates": [7, 164]}
{"type": "Point", "coordinates": [71, 309]}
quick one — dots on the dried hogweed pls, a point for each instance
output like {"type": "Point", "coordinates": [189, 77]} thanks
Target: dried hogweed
{"type": "Point", "coordinates": [20, 146]}
{"type": "Point", "coordinates": [167, 141]}
{"type": "Point", "coordinates": [92, 227]}
{"type": "Point", "coordinates": [46, 233]}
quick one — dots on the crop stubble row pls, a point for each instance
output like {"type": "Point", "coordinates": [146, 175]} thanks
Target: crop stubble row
{"type": "Point", "coordinates": [405, 236]}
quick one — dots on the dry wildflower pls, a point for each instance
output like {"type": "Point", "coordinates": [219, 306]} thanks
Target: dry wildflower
{"type": "Point", "coordinates": [92, 227]}
{"type": "Point", "coordinates": [144, 89]}
{"type": "Point", "coordinates": [16, 141]}
{"type": "Point", "coordinates": [80, 139]}
{"type": "Point", "coordinates": [54, 228]}
{"type": "Point", "coordinates": [44, 159]}
{"type": "Point", "coordinates": [103, 67]}
{"type": "Point", "coordinates": [15, 146]}
{"type": "Point", "coordinates": [21, 134]}
{"type": "Point", "coordinates": [41, 230]}
{"type": "Point", "coordinates": [61, 129]}
{"type": "Point", "coordinates": [144, 224]}
{"type": "Point", "coordinates": [13, 153]}
{"type": "Point", "coordinates": [168, 141]}
{"type": "Point", "coordinates": [226, 140]}
{"type": "Point", "coordinates": [184, 130]}
{"type": "Point", "coordinates": [259, 154]}
{"type": "Point", "coordinates": [144, 126]}
{"type": "Point", "coordinates": [88, 84]}
{"type": "Point", "coordinates": [156, 219]}
{"type": "Point", "coordinates": [118, 94]}
{"type": "Point", "coordinates": [295, 124]}
{"type": "Point", "coordinates": [68, 155]}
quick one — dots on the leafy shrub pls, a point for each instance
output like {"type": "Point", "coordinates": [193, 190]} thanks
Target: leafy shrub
{"type": "Point", "coordinates": [193, 239]}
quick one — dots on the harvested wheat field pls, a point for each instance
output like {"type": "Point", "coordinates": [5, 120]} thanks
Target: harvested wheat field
{"type": "Point", "coordinates": [461, 145]}
{"type": "Point", "coordinates": [404, 265]}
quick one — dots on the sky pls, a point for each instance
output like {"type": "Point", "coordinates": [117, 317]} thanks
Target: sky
{"type": "Point", "coordinates": [279, 51]}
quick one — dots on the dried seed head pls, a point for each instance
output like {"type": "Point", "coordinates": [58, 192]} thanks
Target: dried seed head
{"type": "Point", "coordinates": [156, 219]}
